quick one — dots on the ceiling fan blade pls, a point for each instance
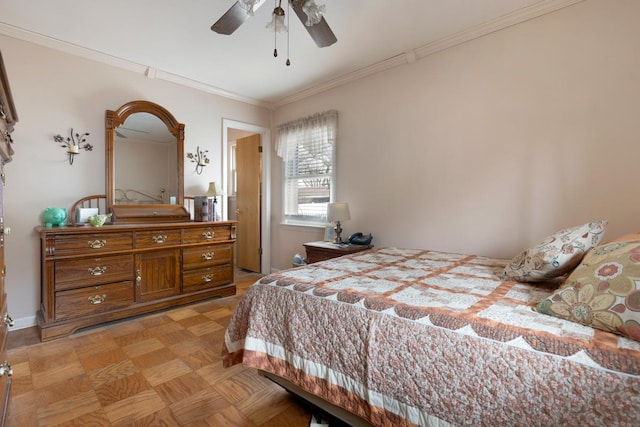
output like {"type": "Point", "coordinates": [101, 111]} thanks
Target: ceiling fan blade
{"type": "Point", "coordinates": [233, 18]}
{"type": "Point", "coordinates": [320, 32]}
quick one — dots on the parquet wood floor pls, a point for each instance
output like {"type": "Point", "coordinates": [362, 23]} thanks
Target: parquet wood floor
{"type": "Point", "coordinates": [163, 369]}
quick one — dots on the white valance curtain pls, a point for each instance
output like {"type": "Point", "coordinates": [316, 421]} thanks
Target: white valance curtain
{"type": "Point", "coordinates": [307, 147]}
{"type": "Point", "coordinates": [307, 130]}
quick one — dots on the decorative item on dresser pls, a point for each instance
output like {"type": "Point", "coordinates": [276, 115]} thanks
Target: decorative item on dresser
{"type": "Point", "coordinates": [98, 220]}
{"type": "Point", "coordinates": [212, 201]}
{"type": "Point", "coordinates": [8, 118]}
{"type": "Point", "coordinates": [91, 276]}
{"type": "Point", "coordinates": [320, 251]}
{"type": "Point", "coordinates": [54, 216]}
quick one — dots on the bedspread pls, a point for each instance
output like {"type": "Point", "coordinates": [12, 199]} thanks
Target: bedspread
{"type": "Point", "coordinates": [419, 337]}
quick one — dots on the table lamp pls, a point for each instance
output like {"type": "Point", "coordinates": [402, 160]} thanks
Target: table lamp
{"type": "Point", "coordinates": [212, 192]}
{"type": "Point", "coordinates": [337, 212]}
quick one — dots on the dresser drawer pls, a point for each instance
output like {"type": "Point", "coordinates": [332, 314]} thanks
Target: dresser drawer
{"type": "Point", "coordinates": [86, 244]}
{"type": "Point", "coordinates": [207, 234]}
{"type": "Point", "coordinates": [207, 278]}
{"type": "Point", "coordinates": [206, 256]}
{"type": "Point", "coordinates": [157, 238]}
{"type": "Point", "coordinates": [93, 300]}
{"type": "Point", "coordinates": [92, 271]}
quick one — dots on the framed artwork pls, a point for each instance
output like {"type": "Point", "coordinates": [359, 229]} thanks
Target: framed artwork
{"type": "Point", "coordinates": [328, 233]}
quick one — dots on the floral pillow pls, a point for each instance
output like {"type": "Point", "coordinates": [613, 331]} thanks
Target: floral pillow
{"type": "Point", "coordinates": [603, 291]}
{"type": "Point", "coordinates": [556, 255]}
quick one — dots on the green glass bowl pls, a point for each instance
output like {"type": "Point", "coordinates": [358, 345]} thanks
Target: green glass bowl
{"type": "Point", "coordinates": [98, 220]}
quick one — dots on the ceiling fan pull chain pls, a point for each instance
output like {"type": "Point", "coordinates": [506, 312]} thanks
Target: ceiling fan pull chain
{"type": "Point", "coordinates": [275, 38]}
{"type": "Point", "coordinates": [288, 31]}
{"type": "Point", "coordinates": [275, 47]}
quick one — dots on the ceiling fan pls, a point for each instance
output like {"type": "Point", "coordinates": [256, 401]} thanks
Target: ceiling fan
{"type": "Point", "coordinates": [307, 11]}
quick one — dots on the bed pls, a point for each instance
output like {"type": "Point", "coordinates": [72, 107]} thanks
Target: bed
{"type": "Point", "coordinates": [404, 337]}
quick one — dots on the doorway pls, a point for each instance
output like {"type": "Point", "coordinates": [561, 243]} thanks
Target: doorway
{"type": "Point", "coordinates": [254, 207]}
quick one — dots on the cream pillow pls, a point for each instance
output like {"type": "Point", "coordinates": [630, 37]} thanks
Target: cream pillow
{"type": "Point", "coordinates": [556, 255]}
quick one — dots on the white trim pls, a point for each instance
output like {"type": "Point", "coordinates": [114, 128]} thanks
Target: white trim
{"type": "Point", "coordinates": [94, 55]}
{"type": "Point", "coordinates": [519, 16]}
{"type": "Point", "coordinates": [541, 8]}
{"type": "Point", "coordinates": [23, 323]}
{"type": "Point", "coordinates": [265, 208]}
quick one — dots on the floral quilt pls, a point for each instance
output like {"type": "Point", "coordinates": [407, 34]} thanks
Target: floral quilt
{"type": "Point", "coordinates": [408, 337]}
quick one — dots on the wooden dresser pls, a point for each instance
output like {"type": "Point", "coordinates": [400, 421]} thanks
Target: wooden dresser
{"type": "Point", "coordinates": [8, 118]}
{"type": "Point", "coordinates": [92, 275]}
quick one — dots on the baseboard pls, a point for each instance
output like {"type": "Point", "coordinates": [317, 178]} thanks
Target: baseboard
{"type": "Point", "coordinates": [23, 323]}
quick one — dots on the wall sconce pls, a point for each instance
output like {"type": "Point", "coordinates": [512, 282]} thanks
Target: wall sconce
{"type": "Point", "coordinates": [74, 143]}
{"type": "Point", "coordinates": [337, 212]}
{"type": "Point", "coordinates": [199, 158]}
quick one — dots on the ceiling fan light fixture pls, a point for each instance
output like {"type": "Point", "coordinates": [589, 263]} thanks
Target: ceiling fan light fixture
{"type": "Point", "coordinates": [277, 20]}
{"type": "Point", "coordinates": [249, 5]}
{"type": "Point", "coordinates": [313, 11]}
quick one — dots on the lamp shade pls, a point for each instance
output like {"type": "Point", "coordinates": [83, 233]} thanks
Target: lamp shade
{"type": "Point", "coordinates": [338, 212]}
{"type": "Point", "coordinates": [277, 22]}
{"type": "Point", "coordinates": [212, 191]}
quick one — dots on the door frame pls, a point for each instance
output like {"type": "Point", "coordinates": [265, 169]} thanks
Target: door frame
{"type": "Point", "coordinates": [265, 205]}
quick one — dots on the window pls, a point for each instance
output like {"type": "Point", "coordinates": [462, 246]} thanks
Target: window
{"type": "Point", "coordinates": [307, 148]}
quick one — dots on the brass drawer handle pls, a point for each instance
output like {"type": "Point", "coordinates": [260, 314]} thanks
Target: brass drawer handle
{"type": "Point", "coordinates": [8, 320]}
{"type": "Point", "coordinates": [138, 277]}
{"type": "Point", "coordinates": [208, 234]}
{"type": "Point", "coordinates": [159, 238]}
{"type": "Point", "coordinates": [208, 256]}
{"type": "Point", "coordinates": [98, 299]}
{"type": "Point", "coordinates": [97, 244]}
{"type": "Point", "coordinates": [97, 271]}
{"type": "Point", "coordinates": [207, 278]}
{"type": "Point", "coordinates": [7, 137]}
{"type": "Point", "coordinates": [5, 369]}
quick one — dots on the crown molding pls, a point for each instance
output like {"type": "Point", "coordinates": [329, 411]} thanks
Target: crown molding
{"type": "Point", "coordinates": [152, 73]}
{"type": "Point", "coordinates": [541, 8]}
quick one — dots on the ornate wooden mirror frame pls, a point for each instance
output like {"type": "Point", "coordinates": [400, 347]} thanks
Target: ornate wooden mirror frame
{"type": "Point", "coordinates": [140, 213]}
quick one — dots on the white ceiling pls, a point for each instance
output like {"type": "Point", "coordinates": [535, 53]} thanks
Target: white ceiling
{"type": "Point", "coordinates": [172, 39]}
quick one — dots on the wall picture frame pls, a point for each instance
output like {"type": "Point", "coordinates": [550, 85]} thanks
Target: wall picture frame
{"type": "Point", "coordinates": [329, 233]}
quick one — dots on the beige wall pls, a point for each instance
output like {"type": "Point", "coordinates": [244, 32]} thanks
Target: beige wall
{"type": "Point", "coordinates": [483, 148]}
{"type": "Point", "coordinates": [53, 92]}
{"type": "Point", "coordinates": [489, 146]}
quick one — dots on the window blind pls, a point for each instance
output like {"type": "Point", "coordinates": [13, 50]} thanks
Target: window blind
{"type": "Point", "coordinates": [307, 147]}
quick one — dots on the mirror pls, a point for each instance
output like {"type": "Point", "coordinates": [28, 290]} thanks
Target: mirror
{"type": "Point", "coordinates": [144, 167]}
{"type": "Point", "coordinates": [145, 137]}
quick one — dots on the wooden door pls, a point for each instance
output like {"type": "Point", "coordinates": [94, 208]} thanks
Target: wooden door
{"type": "Point", "coordinates": [249, 172]}
{"type": "Point", "coordinates": [157, 274]}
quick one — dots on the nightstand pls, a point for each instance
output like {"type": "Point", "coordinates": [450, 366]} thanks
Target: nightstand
{"type": "Point", "coordinates": [320, 251]}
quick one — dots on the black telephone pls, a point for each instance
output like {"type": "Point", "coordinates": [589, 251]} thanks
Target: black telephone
{"type": "Point", "coordinates": [360, 239]}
